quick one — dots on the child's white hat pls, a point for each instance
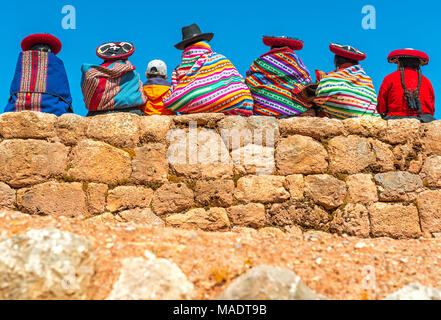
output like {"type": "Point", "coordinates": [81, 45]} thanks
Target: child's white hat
{"type": "Point", "coordinates": [157, 67]}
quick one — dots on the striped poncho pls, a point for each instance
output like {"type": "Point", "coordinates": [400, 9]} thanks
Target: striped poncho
{"type": "Point", "coordinates": [347, 93]}
{"type": "Point", "coordinates": [207, 82]}
{"type": "Point", "coordinates": [276, 80]}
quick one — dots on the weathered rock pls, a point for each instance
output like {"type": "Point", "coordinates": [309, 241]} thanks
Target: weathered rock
{"type": "Point", "coordinates": [129, 197]}
{"type": "Point", "coordinates": [27, 125]}
{"type": "Point", "coordinates": [415, 291]}
{"type": "Point", "coordinates": [362, 188]}
{"type": "Point", "coordinates": [317, 128]}
{"type": "Point", "coordinates": [235, 132]}
{"type": "Point", "coordinates": [140, 216]}
{"type": "Point", "coordinates": [300, 155]}
{"type": "Point", "coordinates": [106, 217]}
{"type": "Point", "coordinates": [172, 198]}
{"type": "Point", "coordinates": [154, 128]}
{"type": "Point", "coordinates": [402, 131]}
{"type": "Point", "coordinates": [408, 157]}
{"type": "Point", "coordinates": [397, 221]}
{"type": "Point", "coordinates": [25, 162]}
{"type": "Point", "coordinates": [296, 186]}
{"type": "Point", "coordinates": [268, 283]}
{"type": "Point", "coordinates": [272, 232]}
{"type": "Point", "coordinates": [215, 193]}
{"type": "Point", "coordinates": [265, 130]}
{"type": "Point", "coordinates": [55, 199]}
{"type": "Point", "coordinates": [325, 190]}
{"type": "Point", "coordinates": [96, 198]}
{"type": "Point", "coordinates": [150, 164]}
{"type": "Point", "coordinates": [7, 196]}
{"type": "Point", "coordinates": [431, 138]}
{"type": "Point", "coordinates": [214, 219]}
{"type": "Point", "coordinates": [151, 279]}
{"type": "Point", "coordinates": [99, 162]}
{"type": "Point", "coordinates": [117, 129]}
{"type": "Point", "coordinates": [263, 189]}
{"type": "Point", "coordinates": [350, 154]}
{"type": "Point", "coordinates": [71, 128]}
{"type": "Point", "coordinates": [46, 264]}
{"type": "Point", "coordinates": [429, 205]}
{"type": "Point", "coordinates": [208, 120]}
{"type": "Point", "coordinates": [366, 126]}
{"type": "Point", "coordinates": [352, 220]}
{"type": "Point", "coordinates": [431, 171]}
{"type": "Point", "coordinates": [250, 215]}
{"type": "Point", "coordinates": [253, 159]}
{"type": "Point", "coordinates": [398, 186]}
{"type": "Point", "coordinates": [299, 213]}
{"type": "Point", "coordinates": [384, 156]}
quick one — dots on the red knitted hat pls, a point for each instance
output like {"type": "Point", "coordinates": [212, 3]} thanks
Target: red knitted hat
{"type": "Point", "coordinates": [41, 38]}
{"type": "Point", "coordinates": [347, 52]}
{"type": "Point", "coordinates": [115, 50]}
{"type": "Point", "coordinates": [394, 56]}
{"type": "Point", "coordinates": [283, 41]}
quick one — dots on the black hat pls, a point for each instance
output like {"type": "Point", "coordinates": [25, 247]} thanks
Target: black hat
{"type": "Point", "coordinates": [192, 34]}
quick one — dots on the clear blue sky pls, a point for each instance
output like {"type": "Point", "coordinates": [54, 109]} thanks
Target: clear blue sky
{"type": "Point", "coordinates": [155, 26]}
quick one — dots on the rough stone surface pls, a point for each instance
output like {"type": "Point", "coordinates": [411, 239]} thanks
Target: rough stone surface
{"type": "Point", "coordinates": [317, 128]}
{"type": "Point", "coordinates": [431, 171]}
{"type": "Point", "coordinates": [265, 130]}
{"type": "Point", "coordinates": [215, 193]}
{"type": "Point", "coordinates": [117, 129]}
{"type": "Point", "coordinates": [362, 188]}
{"type": "Point", "coordinates": [415, 291]}
{"type": "Point", "coordinates": [253, 159]}
{"type": "Point", "coordinates": [96, 198]}
{"type": "Point", "coordinates": [350, 155]}
{"type": "Point", "coordinates": [325, 190]}
{"type": "Point", "coordinates": [151, 279]}
{"type": "Point", "coordinates": [402, 131]}
{"type": "Point", "coordinates": [128, 197]}
{"type": "Point", "coordinates": [429, 205]}
{"type": "Point", "coordinates": [296, 186]}
{"type": "Point", "coordinates": [25, 162]}
{"type": "Point", "coordinates": [172, 198]}
{"type": "Point", "coordinates": [263, 189]}
{"type": "Point", "coordinates": [300, 155]}
{"type": "Point", "coordinates": [214, 219]}
{"type": "Point", "coordinates": [250, 215]}
{"type": "Point", "coordinates": [154, 128]}
{"type": "Point", "coordinates": [235, 132]}
{"type": "Point", "coordinates": [99, 162]}
{"type": "Point", "coordinates": [394, 220]}
{"type": "Point", "coordinates": [299, 213]}
{"type": "Point", "coordinates": [352, 220]}
{"type": "Point", "coordinates": [140, 216]}
{"type": "Point", "coordinates": [150, 164]}
{"type": "Point", "coordinates": [27, 125]}
{"type": "Point", "coordinates": [71, 128]}
{"type": "Point", "coordinates": [398, 186]}
{"type": "Point", "coordinates": [384, 156]}
{"type": "Point", "coordinates": [366, 126]}
{"type": "Point", "coordinates": [52, 198]}
{"type": "Point", "coordinates": [45, 264]}
{"type": "Point", "coordinates": [208, 120]}
{"type": "Point", "coordinates": [431, 138]}
{"type": "Point", "coordinates": [7, 196]}
{"type": "Point", "coordinates": [269, 283]}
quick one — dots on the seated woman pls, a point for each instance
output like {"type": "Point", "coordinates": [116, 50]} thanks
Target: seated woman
{"type": "Point", "coordinates": [114, 86]}
{"type": "Point", "coordinates": [206, 82]}
{"type": "Point", "coordinates": [348, 92]}
{"type": "Point", "coordinates": [406, 93]}
{"type": "Point", "coordinates": [277, 78]}
{"type": "Point", "coordinates": [40, 82]}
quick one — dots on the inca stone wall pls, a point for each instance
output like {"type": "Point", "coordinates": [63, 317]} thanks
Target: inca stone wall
{"type": "Point", "coordinates": [362, 177]}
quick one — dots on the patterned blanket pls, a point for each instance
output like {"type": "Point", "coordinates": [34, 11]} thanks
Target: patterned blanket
{"type": "Point", "coordinates": [207, 82]}
{"type": "Point", "coordinates": [348, 93]}
{"type": "Point", "coordinates": [40, 84]}
{"type": "Point", "coordinates": [112, 86]}
{"type": "Point", "coordinates": [276, 80]}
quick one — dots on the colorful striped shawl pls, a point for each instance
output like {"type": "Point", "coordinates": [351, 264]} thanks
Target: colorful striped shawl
{"type": "Point", "coordinates": [275, 80]}
{"type": "Point", "coordinates": [207, 82]}
{"type": "Point", "coordinates": [348, 93]}
{"type": "Point", "coordinates": [112, 86]}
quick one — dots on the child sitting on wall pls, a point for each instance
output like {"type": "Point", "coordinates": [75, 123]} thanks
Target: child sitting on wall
{"type": "Point", "coordinates": [156, 87]}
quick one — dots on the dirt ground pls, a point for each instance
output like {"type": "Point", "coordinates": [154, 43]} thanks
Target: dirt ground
{"type": "Point", "coordinates": [336, 267]}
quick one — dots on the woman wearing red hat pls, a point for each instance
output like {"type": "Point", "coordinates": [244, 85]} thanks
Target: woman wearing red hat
{"type": "Point", "coordinates": [406, 93]}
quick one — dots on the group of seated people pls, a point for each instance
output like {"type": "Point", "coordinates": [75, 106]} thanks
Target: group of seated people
{"type": "Point", "coordinates": [278, 84]}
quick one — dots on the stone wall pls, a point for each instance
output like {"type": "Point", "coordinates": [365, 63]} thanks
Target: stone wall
{"type": "Point", "coordinates": [362, 177]}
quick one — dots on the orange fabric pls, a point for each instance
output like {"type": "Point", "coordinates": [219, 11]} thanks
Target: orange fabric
{"type": "Point", "coordinates": [155, 94]}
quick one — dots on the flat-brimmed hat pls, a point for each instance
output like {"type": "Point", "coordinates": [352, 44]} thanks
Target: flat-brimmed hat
{"type": "Point", "coordinates": [41, 38]}
{"type": "Point", "coordinates": [347, 52]}
{"type": "Point", "coordinates": [283, 41]}
{"type": "Point", "coordinates": [394, 56]}
{"type": "Point", "coordinates": [115, 51]}
{"type": "Point", "coordinates": [192, 34]}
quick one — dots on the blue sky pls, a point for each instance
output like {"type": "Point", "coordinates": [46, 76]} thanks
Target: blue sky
{"type": "Point", "coordinates": [155, 26]}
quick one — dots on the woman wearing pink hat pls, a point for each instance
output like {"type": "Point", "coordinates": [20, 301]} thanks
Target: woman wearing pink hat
{"type": "Point", "coordinates": [406, 93]}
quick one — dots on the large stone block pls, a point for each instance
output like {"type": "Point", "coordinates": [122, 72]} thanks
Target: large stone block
{"type": "Point", "coordinates": [262, 189]}
{"type": "Point", "coordinates": [352, 220]}
{"type": "Point", "coordinates": [99, 162]}
{"type": "Point", "coordinates": [397, 221]}
{"type": "Point", "coordinates": [398, 186]}
{"type": "Point", "coordinates": [140, 216]}
{"type": "Point", "coordinates": [215, 193]}
{"type": "Point", "coordinates": [96, 194]}
{"type": "Point", "coordinates": [172, 198]}
{"type": "Point", "coordinates": [350, 155]}
{"type": "Point", "coordinates": [71, 128]}
{"type": "Point", "coordinates": [214, 219]}
{"type": "Point", "coordinates": [7, 196]}
{"type": "Point", "coordinates": [250, 215]}
{"type": "Point", "coordinates": [366, 126]}
{"type": "Point", "coordinates": [154, 128]}
{"type": "Point", "coordinates": [150, 164]}
{"type": "Point", "coordinates": [317, 128]}
{"type": "Point", "coordinates": [254, 159]}
{"type": "Point", "coordinates": [25, 162]}
{"type": "Point", "coordinates": [296, 186]}
{"type": "Point", "coordinates": [301, 155]}
{"type": "Point", "coordinates": [208, 120]}
{"type": "Point", "coordinates": [235, 132]}
{"type": "Point", "coordinates": [129, 197]}
{"type": "Point", "coordinates": [384, 156]}
{"type": "Point", "coordinates": [431, 171]}
{"type": "Point", "coordinates": [429, 207]}
{"type": "Point", "coordinates": [27, 125]}
{"type": "Point", "coordinates": [299, 213]}
{"type": "Point", "coordinates": [362, 188]}
{"type": "Point", "coordinates": [325, 190]}
{"type": "Point", "coordinates": [402, 131]}
{"type": "Point", "coordinates": [55, 199]}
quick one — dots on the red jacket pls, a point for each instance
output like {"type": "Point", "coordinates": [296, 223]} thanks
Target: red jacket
{"type": "Point", "coordinates": [391, 98]}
